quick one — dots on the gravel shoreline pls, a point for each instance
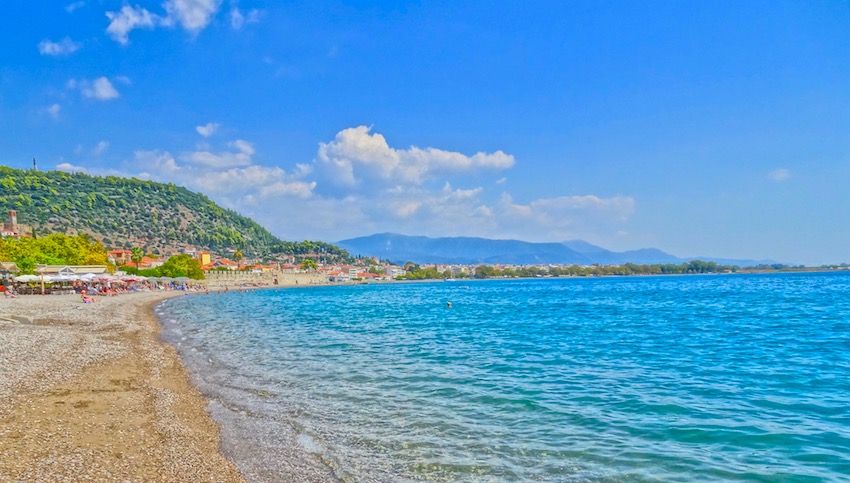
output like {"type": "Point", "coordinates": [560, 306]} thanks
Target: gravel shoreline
{"type": "Point", "coordinates": [91, 394]}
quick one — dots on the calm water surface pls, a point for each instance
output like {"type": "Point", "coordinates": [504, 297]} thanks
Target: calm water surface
{"type": "Point", "coordinates": [732, 377]}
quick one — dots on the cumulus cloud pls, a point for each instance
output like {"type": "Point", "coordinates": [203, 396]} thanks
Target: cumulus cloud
{"type": "Point", "coordinates": [122, 22]}
{"type": "Point", "coordinates": [65, 46]}
{"type": "Point", "coordinates": [355, 156]}
{"type": "Point", "coordinates": [207, 129]}
{"type": "Point", "coordinates": [251, 182]}
{"type": "Point", "coordinates": [240, 156]}
{"type": "Point", "coordinates": [779, 175]}
{"type": "Point", "coordinates": [192, 15]}
{"type": "Point", "coordinates": [70, 168]}
{"type": "Point", "coordinates": [414, 190]}
{"type": "Point", "coordinates": [53, 111]}
{"type": "Point", "coordinates": [100, 88]}
{"type": "Point", "coordinates": [161, 163]}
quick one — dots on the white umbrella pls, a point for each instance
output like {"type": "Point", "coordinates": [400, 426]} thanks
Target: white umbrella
{"type": "Point", "coordinates": [27, 278]}
{"type": "Point", "coordinates": [65, 278]}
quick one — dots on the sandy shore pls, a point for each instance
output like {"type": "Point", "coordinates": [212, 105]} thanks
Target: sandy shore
{"type": "Point", "coordinates": [90, 393]}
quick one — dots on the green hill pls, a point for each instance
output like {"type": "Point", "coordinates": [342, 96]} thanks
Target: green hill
{"type": "Point", "coordinates": [125, 212]}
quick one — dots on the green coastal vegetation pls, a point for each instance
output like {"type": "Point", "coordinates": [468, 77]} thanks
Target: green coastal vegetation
{"type": "Point", "coordinates": [415, 272]}
{"type": "Point", "coordinates": [60, 249]}
{"type": "Point", "coordinates": [56, 249]}
{"type": "Point", "coordinates": [129, 212]}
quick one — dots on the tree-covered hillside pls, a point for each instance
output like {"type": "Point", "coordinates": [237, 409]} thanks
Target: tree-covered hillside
{"type": "Point", "coordinates": [125, 212]}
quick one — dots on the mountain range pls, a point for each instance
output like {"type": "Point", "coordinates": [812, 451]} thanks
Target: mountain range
{"type": "Point", "coordinates": [470, 251]}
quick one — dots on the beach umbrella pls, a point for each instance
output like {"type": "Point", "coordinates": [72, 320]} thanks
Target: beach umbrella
{"type": "Point", "coordinates": [27, 278]}
{"type": "Point", "coordinates": [182, 279]}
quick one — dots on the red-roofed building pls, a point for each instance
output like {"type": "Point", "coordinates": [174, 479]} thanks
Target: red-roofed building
{"type": "Point", "coordinates": [121, 257]}
{"type": "Point", "coordinates": [223, 262]}
{"type": "Point", "coordinates": [151, 262]}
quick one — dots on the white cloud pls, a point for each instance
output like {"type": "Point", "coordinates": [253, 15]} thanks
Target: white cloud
{"type": "Point", "coordinates": [99, 88]}
{"type": "Point", "coordinates": [193, 15]}
{"type": "Point", "coordinates": [355, 156]}
{"type": "Point", "coordinates": [70, 168]}
{"type": "Point", "coordinates": [225, 159]}
{"type": "Point", "coordinates": [415, 198]}
{"type": "Point", "coordinates": [53, 111]}
{"type": "Point", "coordinates": [779, 175]}
{"type": "Point", "coordinates": [160, 162]}
{"type": "Point", "coordinates": [238, 19]}
{"type": "Point", "coordinates": [122, 22]}
{"type": "Point", "coordinates": [100, 148]}
{"type": "Point", "coordinates": [65, 46]}
{"type": "Point", "coordinates": [249, 183]}
{"type": "Point", "coordinates": [207, 129]}
{"type": "Point", "coordinates": [74, 6]}
{"type": "Point", "coordinates": [564, 216]}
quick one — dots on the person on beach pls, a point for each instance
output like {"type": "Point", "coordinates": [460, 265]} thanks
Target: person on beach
{"type": "Point", "coordinates": [87, 299]}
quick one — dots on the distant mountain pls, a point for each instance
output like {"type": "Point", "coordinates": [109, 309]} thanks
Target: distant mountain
{"type": "Point", "coordinates": [607, 257]}
{"type": "Point", "coordinates": [460, 250]}
{"type": "Point", "coordinates": [470, 251]}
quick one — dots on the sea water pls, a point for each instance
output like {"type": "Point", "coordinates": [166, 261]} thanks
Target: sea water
{"type": "Point", "coordinates": [665, 378]}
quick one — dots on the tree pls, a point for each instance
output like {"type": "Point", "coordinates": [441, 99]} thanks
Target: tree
{"type": "Point", "coordinates": [136, 255]}
{"type": "Point", "coordinates": [238, 256]}
{"type": "Point", "coordinates": [309, 264]}
{"type": "Point", "coordinates": [182, 266]}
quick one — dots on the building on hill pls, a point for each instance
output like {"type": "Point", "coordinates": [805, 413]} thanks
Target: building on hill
{"type": "Point", "coordinates": [204, 258]}
{"type": "Point", "coordinates": [151, 262]}
{"type": "Point", "coordinates": [120, 257]}
{"type": "Point", "coordinates": [11, 222]}
{"type": "Point", "coordinates": [11, 228]}
{"type": "Point", "coordinates": [223, 262]}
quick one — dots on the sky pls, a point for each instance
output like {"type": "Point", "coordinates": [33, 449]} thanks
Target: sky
{"type": "Point", "coordinates": [701, 128]}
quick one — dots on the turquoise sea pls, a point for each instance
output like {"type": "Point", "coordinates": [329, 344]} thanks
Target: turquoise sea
{"type": "Point", "coordinates": [666, 378]}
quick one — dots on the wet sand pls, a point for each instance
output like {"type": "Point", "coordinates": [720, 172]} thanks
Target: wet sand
{"type": "Point", "coordinates": [89, 392]}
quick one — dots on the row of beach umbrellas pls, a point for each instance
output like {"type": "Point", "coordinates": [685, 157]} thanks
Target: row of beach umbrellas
{"type": "Point", "coordinates": [91, 277]}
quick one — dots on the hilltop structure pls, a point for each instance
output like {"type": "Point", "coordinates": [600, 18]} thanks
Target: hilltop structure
{"type": "Point", "coordinates": [11, 228]}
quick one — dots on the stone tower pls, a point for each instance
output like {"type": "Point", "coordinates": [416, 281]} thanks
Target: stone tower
{"type": "Point", "coordinates": [11, 222]}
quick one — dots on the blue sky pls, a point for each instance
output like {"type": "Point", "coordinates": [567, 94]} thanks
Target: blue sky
{"type": "Point", "coordinates": [701, 128]}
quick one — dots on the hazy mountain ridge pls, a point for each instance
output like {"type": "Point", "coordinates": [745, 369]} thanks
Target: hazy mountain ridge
{"type": "Point", "coordinates": [472, 250]}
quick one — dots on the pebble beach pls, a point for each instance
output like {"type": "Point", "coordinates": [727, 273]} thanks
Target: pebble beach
{"type": "Point", "coordinates": [90, 393]}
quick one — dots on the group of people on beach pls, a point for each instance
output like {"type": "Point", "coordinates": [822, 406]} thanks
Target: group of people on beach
{"type": "Point", "coordinates": [89, 290]}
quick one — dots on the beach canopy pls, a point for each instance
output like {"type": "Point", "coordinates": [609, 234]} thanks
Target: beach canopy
{"type": "Point", "coordinates": [27, 278]}
{"type": "Point", "coordinates": [65, 278]}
